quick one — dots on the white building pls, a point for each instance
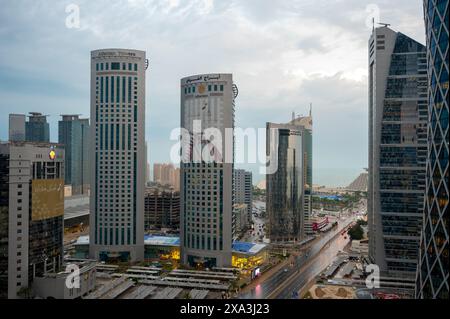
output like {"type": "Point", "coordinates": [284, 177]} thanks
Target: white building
{"type": "Point", "coordinates": [207, 183]}
{"type": "Point", "coordinates": [117, 154]}
{"type": "Point", "coordinates": [31, 214]}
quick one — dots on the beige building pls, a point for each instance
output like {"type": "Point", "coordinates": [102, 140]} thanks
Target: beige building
{"type": "Point", "coordinates": [166, 174]}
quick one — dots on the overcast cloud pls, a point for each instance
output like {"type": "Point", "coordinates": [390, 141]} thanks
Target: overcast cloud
{"type": "Point", "coordinates": [284, 55]}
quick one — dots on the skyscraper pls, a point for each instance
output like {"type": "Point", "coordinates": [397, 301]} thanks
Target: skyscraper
{"type": "Point", "coordinates": [307, 123]}
{"type": "Point", "coordinates": [37, 128]}
{"type": "Point", "coordinates": [433, 270]}
{"type": "Point", "coordinates": [285, 195]}
{"type": "Point", "coordinates": [17, 127]}
{"type": "Point", "coordinates": [207, 102]}
{"type": "Point", "coordinates": [73, 133]}
{"type": "Point", "coordinates": [243, 190]}
{"type": "Point", "coordinates": [117, 154]}
{"type": "Point", "coordinates": [397, 150]}
{"type": "Point", "coordinates": [31, 214]}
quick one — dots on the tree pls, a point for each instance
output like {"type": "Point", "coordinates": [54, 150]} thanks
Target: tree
{"type": "Point", "coordinates": [356, 232]}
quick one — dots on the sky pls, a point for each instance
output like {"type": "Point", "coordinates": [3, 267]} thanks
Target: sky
{"type": "Point", "coordinates": [283, 55]}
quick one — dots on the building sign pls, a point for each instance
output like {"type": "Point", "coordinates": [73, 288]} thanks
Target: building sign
{"type": "Point", "coordinates": [52, 155]}
{"type": "Point", "coordinates": [47, 198]}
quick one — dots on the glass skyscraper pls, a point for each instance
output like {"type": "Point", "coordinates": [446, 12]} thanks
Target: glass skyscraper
{"type": "Point", "coordinates": [433, 270]}
{"type": "Point", "coordinates": [37, 128]}
{"type": "Point", "coordinates": [288, 194]}
{"type": "Point", "coordinates": [397, 151]}
{"type": "Point", "coordinates": [73, 133]}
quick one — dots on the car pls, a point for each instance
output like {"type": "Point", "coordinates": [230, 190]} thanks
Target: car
{"type": "Point", "coordinates": [285, 270]}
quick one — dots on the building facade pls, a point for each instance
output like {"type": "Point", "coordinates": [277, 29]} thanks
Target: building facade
{"type": "Point", "coordinates": [166, 174]}
{"type": "Point", "coordinates": [284, 194]}
{"type": "Point", "coordinates": [73, 133]}
{"type": "Point", "coordinates": [117, 154]}
{"type": "Point", "coordinates": [31, 214]}
{"type": "Point", "coordinates": [243, 185]}
{"type": "Point", "coordinates": [162, 209]}
{"type": "Point", "coordinates": [206, 187]}
{"type": "Point", "coordinates": [36, 128]}
{"type": "Point", "coordinates": [307, 123]}
{"type": "Point", "coordinates": [397, 150]}
{"type": "Point", "coordinates": [17, 127]}
{"type": "Point", "coordinates": [433, 270]}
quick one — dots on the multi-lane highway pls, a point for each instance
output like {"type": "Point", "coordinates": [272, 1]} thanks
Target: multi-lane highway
{"type": "Point", "coordinates": [286, 281]}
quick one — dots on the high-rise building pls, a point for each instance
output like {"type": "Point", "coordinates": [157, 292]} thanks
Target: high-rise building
{"type": "Point", "coordinates": [17, 127]}
{"type": "Point", "coordinates": [207, 105]}
{"type": "Point", "coordinates": [162, 209]}
{"type": "Point", "coordinates": [397, 150]}
{"type": "Point", "coordinates": [433, 270]}
{"type": "Point", "coordinates": [243, 190]}
{"type": "Point", "coordinates": [307, 123]}
{"type": "Point", "coordinates": [117, 154]}
{"type": "Point", "coordinates": [73, 133]}
{"type": "Point", "coordinates": [36, 128]}
{"type": "Point", "coordinates": [31, 214]}
{"type": "Point", "coordinates": [166, 174]}
{"type": "Point", "coordinates": [287, 202]}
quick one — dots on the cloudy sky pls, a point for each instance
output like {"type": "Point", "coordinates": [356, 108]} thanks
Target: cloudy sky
{"type": "Point", "coordinates": [283, 54]}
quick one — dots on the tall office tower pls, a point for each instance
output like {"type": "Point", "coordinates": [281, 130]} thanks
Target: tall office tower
{"type": "Point", "coordinates": [307, 123]}
{"type": "Point", "coordinates": [73, 133]}
{"type": "Point", "coordinates": [243, 190]}
{"type": "Point", "coordinates": [285, 194]}
{"type": "Point", "coordinates": [397, 150]}
{"type": "Point", "coordinates": [31, 214]}
{"type": "Point", "coordinates": [207, 105]}
{"type": "Point", "coordinates": [433, 270]}
{"type": "Point", "coordinates": [117, 154]}
{"type": "Point", "coordinates": [37, 128]}
{"type": "Point", "coordinates": [17, 127]}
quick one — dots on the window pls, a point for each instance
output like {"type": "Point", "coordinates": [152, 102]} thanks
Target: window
{"type": "Point", "coordinates": [215, 87]}
{"type": "Point", "coordinates": [221, 88]}
{"type": "Point", "coordinates": [115, 66]}
{"type": "Point", "coordinates": [135, 66]}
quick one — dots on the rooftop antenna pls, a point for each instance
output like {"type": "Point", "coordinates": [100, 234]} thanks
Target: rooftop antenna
{"type": "Point", "coordinates": [310, 109]}
{"type": "Point", "coordinates": [293, 116]}
{"type": "Point", "coordinates": [373, 24]}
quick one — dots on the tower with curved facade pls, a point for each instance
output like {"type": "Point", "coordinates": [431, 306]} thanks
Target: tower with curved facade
{"type": "Point", "coordinates": [433, 270]}
{"type": "Point", "coordinates": [397, 151]}
{"type": "Point", "coordinates": [206, 183]}
{"type": "Point", "coordinates": [117, 154]}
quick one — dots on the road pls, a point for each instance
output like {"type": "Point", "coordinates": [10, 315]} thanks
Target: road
{"type": "Point", "coordinates": [284, 282]}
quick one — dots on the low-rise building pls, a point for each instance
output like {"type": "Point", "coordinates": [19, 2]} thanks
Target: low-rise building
{"type": "Point", "coordinates": [76, 281]}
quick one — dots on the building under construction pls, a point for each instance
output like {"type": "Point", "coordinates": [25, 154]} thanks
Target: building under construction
{"type": "Point", "coordinates": [162, 209]}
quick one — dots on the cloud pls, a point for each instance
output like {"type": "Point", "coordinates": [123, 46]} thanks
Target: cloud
{"type": "Point", "coordinates": [283, 55]}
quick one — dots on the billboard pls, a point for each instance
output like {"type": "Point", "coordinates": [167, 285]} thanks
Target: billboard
{"type": "Point", "coordinates": [47, 198]}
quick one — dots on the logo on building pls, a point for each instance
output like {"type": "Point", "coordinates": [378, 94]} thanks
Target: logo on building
{"type": "Point", "coordinates": [201, 89]}
{"type": "Point", "coordinates": [52, 155]}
